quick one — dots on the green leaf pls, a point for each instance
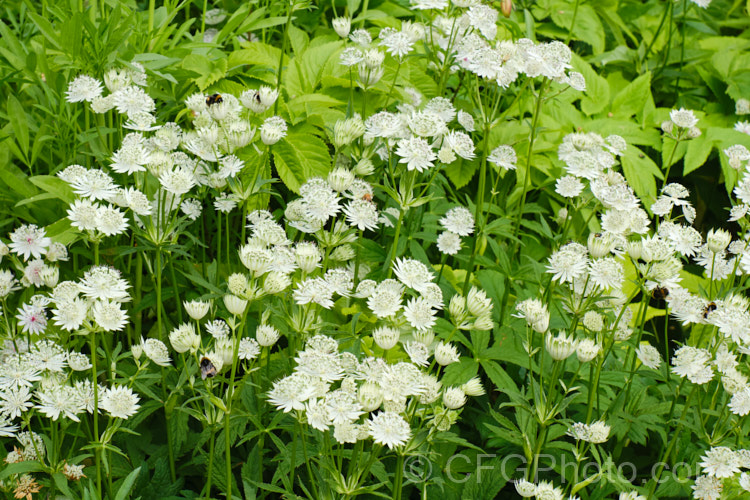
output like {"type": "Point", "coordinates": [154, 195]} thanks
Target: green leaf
{"type": "Point", "coordinates": [127, 485]}
{"type": "Point", "coordinates": [499, 377]}
{"type": "Point", "coordinates": [461, 171]}
{"type": "Point", "coordinates": [209, 71]}
{"type": "Point", "coordinates": [298, 157]}
{"type": "Point", "coordinates": [697, 152]}
{"type": "Point", "coordinates": [20, 468]}
{"type": "Point", "coordinates": [55, 186]}
{"type": "Point", "coordinates": [633, 97]}
{"type": "Point", "coordinates": [19, 123]}
{"type": "Point", "coordinates": [597, 88]}
{"type": "Point", "coordinates": [641, 172]}
{"type": "Point", "coordinates": [587, 26]}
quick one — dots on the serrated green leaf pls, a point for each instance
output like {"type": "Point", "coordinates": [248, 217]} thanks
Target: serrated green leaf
{"type": "Point", "coordinates": [298, 157]}
{"type": "Point", "coordinates": [209, 71]}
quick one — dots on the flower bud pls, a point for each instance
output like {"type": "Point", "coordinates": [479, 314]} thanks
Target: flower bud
{"type": "Point", "coordinates": [386, 337]}
{"type": "Point", "coordinates": [718, 240]}
{"type": "Point", "coordinates": [445, 354]}
{"type": "Point", "coordinates": [342, 26]}
{"type": "Point", "coordinates": [454, 398]}
{"type": "Point", "coordinates": [266, 335]}
{"type": "Point", "coordinates": [196, 309]}
{"type": "Point", "coordinates": [234, 304]}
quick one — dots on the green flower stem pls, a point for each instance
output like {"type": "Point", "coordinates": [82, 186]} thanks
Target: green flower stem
{"type": "Point", "coordinates": [672, 443]}
{"type": "Point", "coordinates": [527, 170]}
{"type": "Point", "coordinates": [667, 10]}
{"type": "Point", "coordinates": [284, 45]}
{"type": "Point", "coordinates": [393, 84]}
{"type": "Point", "coordinates": [572, 22]}
{"type": "Point", "coordinates": [392, 254]}
{"type": "Point", "coordinates": [175, 288]}
{"type": "Point", "coordinates": [398, 481]}
{"type": "Point", "coordinates": [94, 377]}
{"type": "Point", "coordinates": [479, 208]}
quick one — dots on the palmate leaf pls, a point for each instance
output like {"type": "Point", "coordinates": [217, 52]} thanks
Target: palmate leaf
{"type": "Point", "coordinates": [298, 157]}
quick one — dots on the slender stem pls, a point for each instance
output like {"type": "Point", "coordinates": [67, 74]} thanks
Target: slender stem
{"type": "Point", "coordinates": [211, 440]}
{"type": "Point", "coordinates": [97, 455]}
{"type": "Point", "coordinates": [397, 482]}
{"type": "Point", "coordinates": [527, 169]}
{"type": "Point", "coordinates": [572, 23]}
{"type": "Point", "coordinates": [667, 10]}
{"type": "Point", "coordinates": [392, 254]}
{"type": "Point", "coordinates": [284, 44]}
{"type": "Point", "coordinates": [682, 48]}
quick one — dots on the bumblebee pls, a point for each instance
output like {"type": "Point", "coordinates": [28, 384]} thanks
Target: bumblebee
{"type": "Point", "coordinates": [214, 99]}
{"type": "Point", "coordinates": [660, 293]}
{"type": "Point", "coordinates": [710, 307]}
{"type": "Point", "coordinates": [367, 197]}
{"type": "Point", "coordinates": [208, 370]}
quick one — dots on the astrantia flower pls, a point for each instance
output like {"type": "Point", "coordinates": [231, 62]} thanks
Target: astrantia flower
{"type": "Point", "coordinates": [596, 432]}
{"type": "Point", "coordinates": [606, 273]}
{"type": "Point", "coordinates": [396, 43]}
{"type": "Point", "coordinates": [458, 220]}
{"type": "Point", "coordinates": [419, 313]}
{"type": "Point", "coordinates": [416, 153]}
{"type": "Point", "coordinates": [29, 241]}
{"type": "Point", "coordinates": [273, 130]}
{"type": "Point", "coordinates": [177, 181]}
{"type": "Point", "coordinates": [119, 401]}
{"type": "Point", "coordinates": [315, 290]}
{"type": "Point", "coordinates": [83, 88]}
{"type": "Point", "coordinates": [385, 300]}
{"type": "Point", "coordinates": [693, 363]}
{"type": "Point", "coordinates": [104, 282]}
{"type": "Point", "coordinates": [57, 400]}
{"type": "Point", "coordinates": [32, 319]}
{"type": "Point", "coordinates": [535, 312]}
{"type": "Point", "coordinates": [720, 462]}
{"type": "Point", "coordinates": [418, 353]}
{"type": "Point", "coordinates": [461, 144]}
{"type": "Point", "coordinates": [740, 403]}
{"type": "Point", "coordinates": [111, 221]}
{"type": "Point", "coordinates": [14, 401]}
{"type": "Point", "coordinates": [707, 488]}
{"type": "Point", "coordinates": [449, 243]}
{"type": "Point", "coordinates": [109, 315]}
{"type": "Point", "coordinates": [649, 356]}
{"type": "Point", "coordinates": [568, 186]}
{"type": "Point", "coordinates": [561, 346]}
{"type": "Point", "coordinates": [412, 273]}
{"type": "Point", "coordinates": [389, 429]}
{"type": "Point", "coordinates": [132, 100]}
{"type": "Point", "coordinates": [503, 156]}
{"type": "Point", "coordinates": [568, 263]}
{"type": "Point", "coordinates": [70, 314]}
{"type": "Point", "coordinates": [362, 214]}
{"type": "Point", "coordinates": [290, 393]}
{"type": "Point", "coordinates": [683, 118]}
{"type": "Point", "coordinates": [83, 214]}
{"type": "Point", "coordinates": [156, 351]}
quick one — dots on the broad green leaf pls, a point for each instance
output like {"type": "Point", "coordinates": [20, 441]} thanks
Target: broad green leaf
{"type": "Point", "coordinates": [697, 152]}
{"type": "Point", "coordinates": [633, 97]}
{"type": "Point", "coordinates": [55, 186]}
{"type": "Point", "coordinates": [587, 26]}
{"type": "Point", "coordinates": [124, 491]}
{"type": "Point", "coordinates": [461, 171]}
{"type": "Point", "coordinates": [597, 89]}
{"type": "Point", "coordinates": [298, 157]}
{"type": "Point", "coordinates": [641, 172]}
{"type": "Point", "coordinates": [19, 123]}
{"type": "Point", "coordinates": [209, 71]}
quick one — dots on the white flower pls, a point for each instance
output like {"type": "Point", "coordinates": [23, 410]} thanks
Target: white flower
{"type": "Point", "coordinates": [740, 403]}
{"type": "Point", "coordinates": [416, 153]}
{"type": "Point", "coordinates": [693, 363]}
{"type": "Point", "coordinates": [29, 241]}
{"type": "Point", "coordinates": [419, 313]}
{"type": "Point", "coordinates": [720, 462]}
{"type": "Point", "coordinates": [83, 88]}
{"type": "Point", "coordinates": [596, 432]}
{"type": "Point", "coordinates": [362, 214]}
{"type": "Point", "coordinates": [412, 273]}
{"type": "Point", "coordinates": [461, 144]}
{"type": "Point", "coordinates": [449, 243]}
{"type": "Point", "coordinates": [683, 118]}
{"type": "Point", "coordinates": [342, 26]}
{"type": "Point", "coordinates": [273, 130]}
{"type": "Point", "coordinates": [504, 157]}
{"type": "Point", "coordinates": [569, 186]}
{"type": "Point", "coordinates": [649, 356]}
{"type": "Point", "coordinates": [109, 315]}
{"type": "Point", "coordinates": [389, 429]}
{"type": "Point", "coordinates": [458, 220]}
{"type": "Point", "coordinates": [120, 402]}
